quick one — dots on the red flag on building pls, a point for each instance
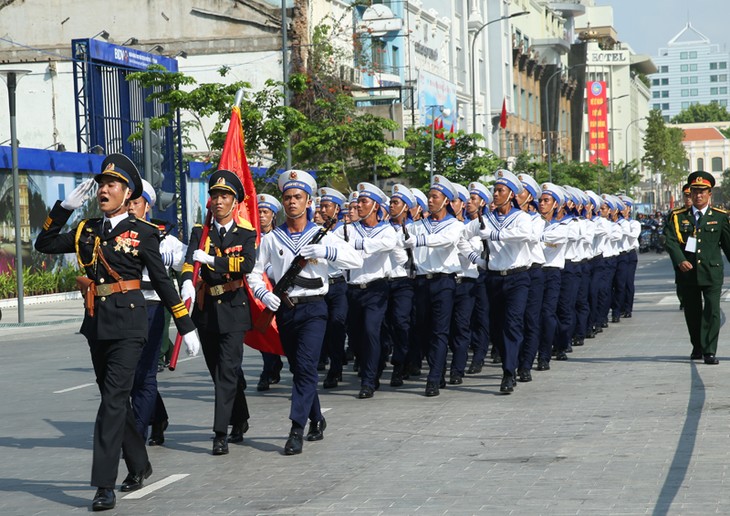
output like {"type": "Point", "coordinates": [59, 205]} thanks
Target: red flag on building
{"type": "Point", "coordinates": [233, 158]}
{"type": "Point", "coordinates": [440, 129]}
{"type": "Point", "coordinates": [451, 134]}
{"type": "Point", "coordinates": [503, 116]}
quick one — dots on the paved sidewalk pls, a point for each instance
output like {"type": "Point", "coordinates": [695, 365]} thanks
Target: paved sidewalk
{"type": "Point", "coordinates": [628, 425]}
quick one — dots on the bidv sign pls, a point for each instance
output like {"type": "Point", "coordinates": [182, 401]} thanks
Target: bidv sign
{"type": "Point", "coordinates": [615, 58]}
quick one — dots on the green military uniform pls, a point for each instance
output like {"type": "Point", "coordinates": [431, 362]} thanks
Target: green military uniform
{"type": "Point", "coordinates": [705, 279]}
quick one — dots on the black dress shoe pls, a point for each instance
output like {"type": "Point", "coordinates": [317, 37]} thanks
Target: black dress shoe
{"type": "Point", "coordinates": [365, 393]}
{"type": "Point", "coordinates": [579, 341]}
{"type": "Point", "coordinates": [496, 359]}
{"type": "Point", "coordinates": [626, 315]}
{"type": "Point", "coordinates": [696, 356]}
{"type": "Point", "coordinates": [604, 324]}
{"type": "Point", "coordinates": [414, 370]}
{"type": "Point", "coordinates": [236, 435]}
{"type": "Point", "coordinates": [396, 378]}
{"type": "Point", "coordinates": [275, 377]}
{"type": "Point", "coordinates": [331, 381]}
{"type": "Point", "coordinates": [475, 368]}
{"type": "Point", "coordinates": [456, 379]}
{"type": "Point", "coordinates": [561, 356]}
{"type": "Point", "coordinates": [615, 319]}
{"type": "Point", "coordinates": [220, 446]}
{"type": "Point", "coordinates": [442, 383]}
{"type": "Point", "coordinates": [264, 381]}
{"type": "Point", "coordinates": [157, 435]}
{"type": "Point", "coordinates": [316, 430]}
{"type": "Point", "coordinates": [432, 389]}
{"type": "Point", "coordinates": [711, 359]}
{"type": "Point", "coordinates": [525, 376]}
{"type": "Point", "coordinates": [507, 385]}
{"type": "Point", "coordinates": [104, 499]}
{"type": "Point", "coordinates": [294, 444]}
{"type": "Point", "coordinates": [136, 481]}
{"type": "Point", "coordinates": [569, 349]}
{"type": "Point", "coordinates": [543, 365]}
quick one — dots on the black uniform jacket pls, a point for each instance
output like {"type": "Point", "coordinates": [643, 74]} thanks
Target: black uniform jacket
{"type": "Point", "coordinates": [234, 258]}
{"type": "Point", "coordinates": [132, 245]}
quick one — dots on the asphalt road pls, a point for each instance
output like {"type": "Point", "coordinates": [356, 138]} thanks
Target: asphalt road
{"type": "Point", "coordinates": [628, 425]}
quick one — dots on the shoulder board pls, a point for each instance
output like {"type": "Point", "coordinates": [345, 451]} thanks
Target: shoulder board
{"type": "Point", "coordinates": [149, 223]}
{"type": "Point", "coordinates": [245, 225]}
{"type": "Point", "coordinates": [197, 225]}
{"type": "Point", "coordinates": [87, 223]}
{"type": "Point", "coordinates": [721, 210]}
{"type": "Point", "coordinates": [680, 210]}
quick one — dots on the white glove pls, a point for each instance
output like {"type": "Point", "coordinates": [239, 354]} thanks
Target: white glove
{"type": "Point", "coordinates": [485, 234]}
{"type": "Point", "coordinates": [312, 251]}
{"type": "Point", "coordinates": [187, 291]}
{"type": "Point", "coordinates": [201, 256]}
{"type": "Point", "coordinates": [79, 195]}
{"type": "Point", "coordinates": [271, 301]}
{"type": "Point", "coordinates": [481, 263]}
{"type": "Point", "coordinates": [409, 242]}
{"type": "Point", "coordinates": [192, 343]}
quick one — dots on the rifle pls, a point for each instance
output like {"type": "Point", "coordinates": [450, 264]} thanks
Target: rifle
{"type": "Point", "coordinates": [485, 245]}
{"type": "Point", "coordinates": [286, 282]}
{"type": "Point", "coordinates": [196, 274]}
{"type": "Point", "coordinates": [409, 251]}
{"type": "Point", "coordinates": [344, 230]}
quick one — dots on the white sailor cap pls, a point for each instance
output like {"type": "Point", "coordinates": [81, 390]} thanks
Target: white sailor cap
{"type": "Point", "coordinates": [297, 179]}
{"type": "Point", "coordinates": [403, 193]}
{"type": "Point", "coordinates": [628, 201]}
{"type": "Point", "coordinates": [148, 193]}
{"type": "Point", "coordinates": [481, 190]}
{"type": "Point", "coordinates": [555, 191]}
{"type": "Point", "coordinates": [371, 191]}
{"type": "Point", "coordinates": [595, 199]}
{"type": "Point", "coordinates": [443, 185]}
{"type": "Point", "coordinates": [352, 197]}
{"type": "Point", "coordinates": [269, 202]}
{"type": "Point", "coordinates": [529, 183]}
{"type": "Point", "coordinates": [573, 194]}
{"type": "Point", "coordinates": [610, 201]}
{"type": "Point", "coordinates": [462, 192]}
{"type": "Point", "coordinates": [421, 198]}
{"type": "Point", "coordinates": [327, 194]}
{"type": "Point", "coordinates": [507, 178]}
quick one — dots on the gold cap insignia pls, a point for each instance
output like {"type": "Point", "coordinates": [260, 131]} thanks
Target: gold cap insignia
{"type": "Point", "coordinates": [395, 188]}
{"type": "Point", "coordinates": [292, 174]}
{"type": "Point", "coordinates": [436, 179]}
{"type": "Point", "coordinates": [109, 167]}
{"type": "Point", "coordinates": [362, 187]}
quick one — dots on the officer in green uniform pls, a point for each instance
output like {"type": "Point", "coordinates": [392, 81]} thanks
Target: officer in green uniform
{"type": "Point", "coordinates": [695, 236]}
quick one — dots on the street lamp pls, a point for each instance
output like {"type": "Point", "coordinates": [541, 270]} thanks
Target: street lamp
{"type": "Point", "coordinates": [444, 113]}
{"type": "Point", "coordinates": [626, 150]}
{"type": "Point", "coordinates": [473, 73]}
{"type": "Point", "coordinates": [547, 114]}
{"type": "Point", "coordinates": [285, 73]}
{"type": "Point", "coordinates": [11, 78]}
{"type": "Point", "coordinates": [613, 150]}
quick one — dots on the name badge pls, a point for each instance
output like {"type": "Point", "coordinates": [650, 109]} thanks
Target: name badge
{"type": "Point", "coordinates": [691, 246]}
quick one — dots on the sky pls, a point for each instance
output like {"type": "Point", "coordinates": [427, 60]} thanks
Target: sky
{"type": "Point", "coordinates": [647, 25]}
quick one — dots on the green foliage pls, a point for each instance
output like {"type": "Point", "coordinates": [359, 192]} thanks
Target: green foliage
{"type": "Point", "coordinates": [725, 186]}
{"type": "Point", "coordinates": [663, 149]}
{"type": "Point", "coordinates": [39, 281]}
{"type": "Point", "coordinates": [702, 113]}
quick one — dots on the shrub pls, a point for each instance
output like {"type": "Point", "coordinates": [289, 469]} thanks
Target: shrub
{"type": "Point", "coordinates": [40, 281]}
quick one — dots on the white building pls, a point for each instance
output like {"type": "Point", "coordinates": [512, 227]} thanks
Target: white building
{"type": "Point", "coordinates": [692, 70]}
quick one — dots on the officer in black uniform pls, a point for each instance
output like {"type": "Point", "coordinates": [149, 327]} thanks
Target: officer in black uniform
{"type": "Point", "coordinates": [222, 313]}
{"type": "Point", "coordinates": [113, 251]}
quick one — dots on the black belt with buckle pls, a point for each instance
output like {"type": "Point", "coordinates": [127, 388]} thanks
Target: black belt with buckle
{"type": "Point", "coordinates": [464, 279]}
{"type": "Point", "coordinates": [435, 275]}
{"type": "Point", "coordinates": [363, 286]}
{"type": "Point", "coordinates": [536, 266]}
{"type": "Point", "coordinates": [509, 272]}
{"type": "Point", "coordinates": [338, 279]}
{"type": "Point", "coordinates": [305, 299]}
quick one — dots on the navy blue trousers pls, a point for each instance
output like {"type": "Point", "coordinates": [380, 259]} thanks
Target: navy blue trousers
{"type": "Point", "coordinates": [582, 301]}
{"type": "Point", "coordinates": [272, 363]}
{"type": "Point", "coordinates": [629, 289]}
{"type": "Point", "coordinates": [434, 304]}
{"type": "Point", "coordinates": [460, 335]}
{"type": "Point", "coordinates": [368, 308]}
{"type": "Point", "coordinates": [606, 294]}
{"type": "Point", "coordinates": [598, 271]}
{"type": "Point", "coordinates": [549, 312]}
{"type": "Point", "coordinates": [480, 320]}
{"type": "Point", "coordinates": [334, 336]}
{"type": "Point", "coordinates": [507, 303]}
{"type": "Point", "coordinates": [619, 285]}
{"type": "Point", "coordinates": [398, 318]}
{"type": "Point", "coordinates": [144, 390]}
{"type": "Point", "coordinates": [569, 284]}
{"type": "Point", "coordinates": [533, 312]}
{"type": "Point", "coordinates": [301, 330]}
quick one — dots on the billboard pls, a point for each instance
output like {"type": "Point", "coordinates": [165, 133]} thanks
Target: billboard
{"type": "Point", "coordinates": [436, 91]}
{"type": "Point", "coordinates": [597, 122]}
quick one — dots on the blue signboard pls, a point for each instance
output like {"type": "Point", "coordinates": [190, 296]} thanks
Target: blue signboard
{"type": "Point", "coordinates": [126, 57]}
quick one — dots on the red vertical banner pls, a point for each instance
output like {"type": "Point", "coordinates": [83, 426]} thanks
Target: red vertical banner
{"type": "Point", "coordinates": [597, 121]}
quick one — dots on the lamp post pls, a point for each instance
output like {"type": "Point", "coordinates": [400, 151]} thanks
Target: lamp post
{"type": "Point", "coordinates": [285, 73]}
{"type": "Point", "coordinates": [626, 150]}
{"type": "Point", "coordinates": [444, 112]}
{"type": "Point", "coordinates": [613, 150]}
{"type": "Point", "coordinates": [547, 115]}
{"type": "Point", "coordinates": [473, 72]}
{"type": "Point", "coordinates": [11, 78]}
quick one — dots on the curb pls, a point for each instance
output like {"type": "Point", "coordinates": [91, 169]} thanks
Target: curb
{"type": "Point", "coordinates": [39, 300]}
{"type": "Point", "coordinates": [41, 323]}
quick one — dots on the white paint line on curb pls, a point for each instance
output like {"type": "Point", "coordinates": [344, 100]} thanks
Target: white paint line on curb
{"type": "Point", "coordinates": [74, 388]}
{"type": "Point", "coordinates": [154, 487]}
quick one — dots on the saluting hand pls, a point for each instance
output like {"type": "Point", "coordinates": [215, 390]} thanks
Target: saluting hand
{"type": "Point", "coordinates": [79, 195]}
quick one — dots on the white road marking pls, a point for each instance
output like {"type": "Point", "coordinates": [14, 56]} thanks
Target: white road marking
{"type": "Point", "coordinates": [325, 410]}
{"type": "Point", "coordinates": [74, 388]}
{"type": "Point", "coordinates": [669, 300]}
{"type": "Point", "coordinates": [154, 487]}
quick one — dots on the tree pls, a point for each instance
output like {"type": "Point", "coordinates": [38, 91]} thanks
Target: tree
{"type": "Point", "coordinates": [702, 113]}
{"type": "Point", "coordinates": [724, 196]}
{"type": "Point", "coordinates": [663, 149]}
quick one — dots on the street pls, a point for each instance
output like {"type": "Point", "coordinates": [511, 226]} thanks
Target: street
{"type": "Point", "coordinates": [628, 425]}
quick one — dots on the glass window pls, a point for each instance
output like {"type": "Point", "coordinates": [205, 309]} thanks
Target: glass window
{"type": "Point", "coordinates": [665, 107]}
{"type": "Point", "coordinates": [717, 164]}
{"type": "Point", "coordinates": [693, 54]}
{"type": "Point", "coordinates": [665, 82]}
{"type": "Point", "coordinates": [655, 82]}
{"type": "Point", "coordinates": [713, 78]}
{"type": "Point", "coordinates": [693, 67]}
{"type": "Point", "coordinates": [723, 65]}
{"type": "Point", "coordinates": [723, 90]}
{"type": "Point", "coordinates": [684, 80]}
{"type": "Point", "coordinates": [723, 102]}
{"type": "Point", "coordinates": [685, 105]}
{"type": "Point", "coordinates": [664, 69]}
{"type": "Point", "coordinates": [653, 106]}
{"type": "Point", "coordinates": [693, 79]}
{"type": "Point", "coordinates": [700, 164]}
{"type": "Point", "coordinates": [655, 94]}
{"type": "Point", "coordinates": [713, 66]}
{"type": "Point", "coordinates": [693, 92]}
{"type": "Point", "coordinates": [683, 55]}
{"type": "Point", "coordinates": [685, 93]}
{"type": "Point", "coordinates": [665, 94]}
{"type": "Point", "coordinates": [683, 68]}
{"type": "Point", "coordinates": [713, 91]}
{"type": "Point", "coordinates": [722, 77]}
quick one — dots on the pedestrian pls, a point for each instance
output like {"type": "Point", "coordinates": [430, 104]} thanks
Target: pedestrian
{"type": "Point", "coordinates": [302, 316]}
{"type": "Point", "coordinates": [113, 250]}
{"type": "Point", "coordinates": [222, 314]}
{"type": "Point", "coordinates": [695, 237]}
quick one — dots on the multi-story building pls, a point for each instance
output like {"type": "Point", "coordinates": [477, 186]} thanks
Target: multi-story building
{"type": "Point", "coordinates": [692, 70]}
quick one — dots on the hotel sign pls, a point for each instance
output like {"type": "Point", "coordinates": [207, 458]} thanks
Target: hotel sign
{"type": "Point", "coordinates": [609, 57]}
